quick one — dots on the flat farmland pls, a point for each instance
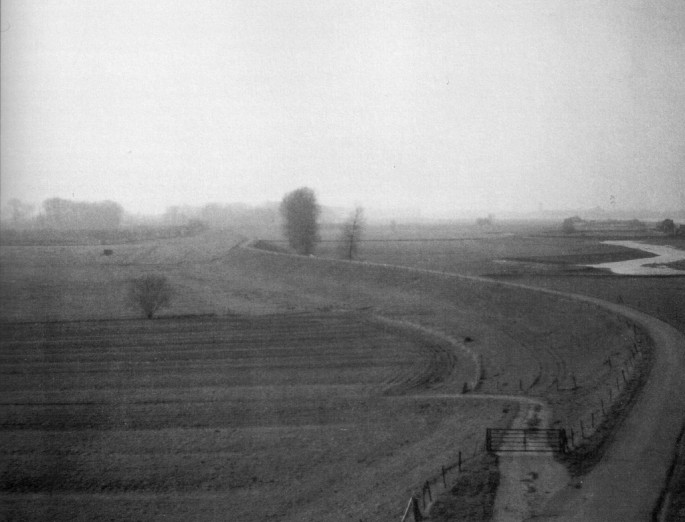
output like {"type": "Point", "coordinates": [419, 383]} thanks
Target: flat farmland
{"type": "Point", "coordinates": [275, 387]}
{"type": "Point", "coordinates": [287, 417]}
{"type": "Point", "coordinates": [530, 253]}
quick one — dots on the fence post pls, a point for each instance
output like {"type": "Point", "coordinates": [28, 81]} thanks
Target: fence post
{"type": "Point", "coordinates": [417, 512]}
{"type": "Point", "coordinates": [564, 440]}
{"type": "Point", "coordinates": [460, 462]}
{"type": "Point", "coordinates": [582, 429]}
{"type": "Point", "coordinates": [624, 376]}
{"type": "Point", "coordinates": [444, 481]}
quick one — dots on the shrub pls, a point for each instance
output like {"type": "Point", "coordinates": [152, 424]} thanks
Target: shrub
{"type": "Point", "coordinates": [150, 293]}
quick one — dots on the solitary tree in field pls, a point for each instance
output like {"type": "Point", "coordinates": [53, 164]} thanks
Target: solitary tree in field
{"type": "Point", "coordinates": [351, 234]}
{"type": "Point", "coordinates": [300, 213]}
{"type": "Point", "coordinates": [150, 293]}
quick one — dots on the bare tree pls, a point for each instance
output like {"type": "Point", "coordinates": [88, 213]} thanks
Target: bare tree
{"type": "Point", "coordinates": [150, 293]}
{"type": "Point", "coordinates": [351, 234]}
{"type": "Point", "coordinates": [300, 213]}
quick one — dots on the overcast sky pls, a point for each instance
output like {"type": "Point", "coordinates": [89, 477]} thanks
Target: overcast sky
{"type": "Point", "coordinates": [439, 105]}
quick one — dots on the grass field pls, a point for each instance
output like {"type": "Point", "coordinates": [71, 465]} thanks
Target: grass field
{"type": "Point", "coordinates": [288, 399]}
{"type": "Point", "coordinates": [530, 253]}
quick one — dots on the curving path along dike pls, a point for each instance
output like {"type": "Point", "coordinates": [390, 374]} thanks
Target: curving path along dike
{"type": "Point", "coordinates": [627, 483]}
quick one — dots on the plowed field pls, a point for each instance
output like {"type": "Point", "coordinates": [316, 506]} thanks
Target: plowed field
{"type": "Point", "coordinates": [288, 417]}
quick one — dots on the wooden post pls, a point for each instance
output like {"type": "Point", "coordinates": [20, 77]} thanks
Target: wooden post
{"type": "Point", "coordinates": [459, 462]}
{"type": "Point", "coordinates": [575, 384]}
{"type": "Point", "coordinates": [573, 437]}
{"type": "Point", "coordinates": [520, 385]}
{"type": "Point", "coordinates": [444, 481]}
{"type": "Point", "coordinates": [582, 429]}
{"type": "Point", "coordinates": [430, 495]}
{"type": "Point", "coordinates": [624, 376]}
{"type": "Point", "coordinates": [417, 512]}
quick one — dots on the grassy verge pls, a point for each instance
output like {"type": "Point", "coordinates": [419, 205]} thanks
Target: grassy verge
{"type": "Point", "coordinates": [671, 505]}
{"type": "Point", "coordinates": [589, 451]}
{"type": "Point", "coordinates": [472, 496]}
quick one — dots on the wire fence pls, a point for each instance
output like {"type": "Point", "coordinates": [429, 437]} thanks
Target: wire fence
{"type": "Point", "coordinates": [422, 499]}
{"type": "Point", "coordinates": [625, 370]}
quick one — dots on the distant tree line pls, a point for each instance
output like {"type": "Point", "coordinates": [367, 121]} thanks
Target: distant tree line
{"type": "Point", "coordinates": [248, 219]}
{"type": "Point", "coordinates": [576, 224]}
{"type": "Point", "coordinates": [63, 214]}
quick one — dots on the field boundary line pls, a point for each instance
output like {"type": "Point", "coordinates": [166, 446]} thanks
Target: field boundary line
{"type": "Point", "coordinates": [423, 330]}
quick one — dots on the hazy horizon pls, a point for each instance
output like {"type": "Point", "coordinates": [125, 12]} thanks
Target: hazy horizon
{"type": "Point", "coordinates": [442, 106]}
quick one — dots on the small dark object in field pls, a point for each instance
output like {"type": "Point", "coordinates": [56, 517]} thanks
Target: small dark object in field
{"type": "Point", "coordinates": [468, 340]}
{"type": "Point", "coordinates": [465, 388]}
{"type": "Point", "coordinates": [107, 252]}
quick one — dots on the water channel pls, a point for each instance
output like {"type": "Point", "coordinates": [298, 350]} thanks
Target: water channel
{"type": "Point", "coordinates": [646, 266]}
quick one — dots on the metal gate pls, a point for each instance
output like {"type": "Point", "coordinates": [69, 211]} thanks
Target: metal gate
{"type": "Point", "coordinates": [531, 439]}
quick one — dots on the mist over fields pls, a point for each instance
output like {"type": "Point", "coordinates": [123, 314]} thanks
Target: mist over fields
{"type": "Point", "coordinates": [344, 260]}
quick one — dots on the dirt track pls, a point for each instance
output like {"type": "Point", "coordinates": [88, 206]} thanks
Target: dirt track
{"type": "Point", "coordinates": [627, 483]}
